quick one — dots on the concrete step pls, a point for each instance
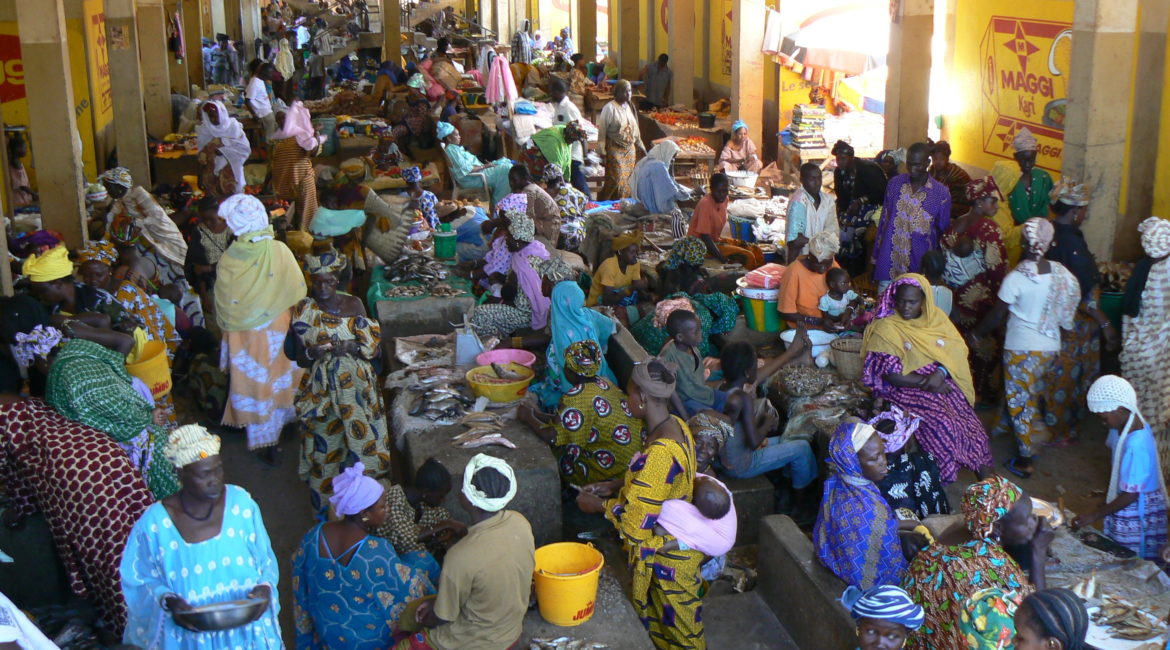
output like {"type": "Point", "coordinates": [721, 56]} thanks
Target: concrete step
{"type": "Point", "coordinates": [744, 621]}
{"type": "Point", "coordinates": [425, 10]}
{"type": "Point", "coordinates": [754, 499]}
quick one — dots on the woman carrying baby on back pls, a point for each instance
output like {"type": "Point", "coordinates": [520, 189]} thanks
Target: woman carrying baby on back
{"type": "Point", "coordinates": [975, 267]}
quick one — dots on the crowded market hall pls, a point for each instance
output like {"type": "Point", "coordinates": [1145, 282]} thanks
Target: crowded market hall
{"type": "Point", "coordinates": [584, 324]}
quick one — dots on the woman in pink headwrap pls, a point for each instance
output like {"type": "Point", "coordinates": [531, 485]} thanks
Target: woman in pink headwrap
{"type": "Point", "coordinates": [525, 301]}
{"type": "Point", "coordinates": [293, 147]}
{"type": "Point", "coordinates": [339, 564]}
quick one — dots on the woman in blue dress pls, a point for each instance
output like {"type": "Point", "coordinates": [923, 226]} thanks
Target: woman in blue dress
{"type": "Point", "coordinates": [350, 587]}
{"type": "Point", "coordinates": [1135, 506]}
{"type": "Point", "coordinates": [205, 544]}
{"type": "Point", "coordinates": [463, 163]}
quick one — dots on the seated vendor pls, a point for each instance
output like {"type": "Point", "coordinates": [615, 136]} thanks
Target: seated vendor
{"type": "Point", "coordinates": [594, 435]}
{"type": "Point", "coordinates": [385, 154]}
{"type": "Point", "coordinates": [652, 183]}
{"type": "Point", "coordinates": [463, 163]}
{"type": "Point", "coordinates": [425, 200]}
{"type": "Point", "coordinates": [711, 216]}
{"type": "Point", "coordinates": [618, 280]}
{"type": "Point", "coordinates": [801, 288]}
{"type": "Point", "coordinates": [739, 154]}
{"type": "Point", "coordinates": [684, 286]}
{"type": "Point", "coordinates": [571, 202]}
{"type": "Point", "coordinates": [470, 243]}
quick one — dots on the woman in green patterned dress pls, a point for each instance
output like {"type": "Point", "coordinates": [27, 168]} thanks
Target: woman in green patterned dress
{"type": "Point", "coordinates": [339, 402]}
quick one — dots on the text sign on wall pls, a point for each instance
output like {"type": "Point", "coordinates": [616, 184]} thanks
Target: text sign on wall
{"type": "Point", "coordinates": [1024, 81]}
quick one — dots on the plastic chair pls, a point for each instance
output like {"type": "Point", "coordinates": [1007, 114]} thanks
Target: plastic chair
{"type": "Point", "coordinates": [478, 178]}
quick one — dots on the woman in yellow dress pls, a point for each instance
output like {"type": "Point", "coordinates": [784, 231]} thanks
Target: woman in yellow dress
{"type": "Point", "coordinates": [667, 585]}
{"type": "Point", "coordinates": [339, 401]}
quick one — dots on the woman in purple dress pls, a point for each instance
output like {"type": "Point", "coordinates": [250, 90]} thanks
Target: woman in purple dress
{"type": "Point", "coordinates": [916, 359]}
{"type": "Point", "coordinates": [916, 213]}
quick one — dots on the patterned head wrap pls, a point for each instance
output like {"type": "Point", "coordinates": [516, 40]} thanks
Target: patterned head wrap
{"type": "Point", "coordinates": [1038, 232]}
{"type": "Point", "coordinates": [37, 344]}
{"type": "Point", "coordinates": [190, 443]}
{"type": "Point", "coordinates": [327, 262]}
{"type": "Point", "coordinates": [986, 619]}
{"type": "Point", "coordinates": [95, 192]}
{"type": "Point", "coordinates": [884, 603]}
{"type": "Point", "coordinates": [824, 245]}
{"type": "Point", "coordinates": [1155, 236]}
{"type": "Point", "coordinates": [1024, 141]}
{"type": "Point", "coordinates": [117, 176]}
{"type": "Point", "coordinates": [1061, 615]}
{"type": "Point", "coordinates": [986, 502]}
{"type": "Point", "coordinates": [688, 251]}
{"type": "Point", "coordinates": [552, 172]}
{"type": "Point", "coordinates": [99, 251]}
{"type": "Point", "coordinates": [520, 226]}
{"type": "Point", "coordinates": [517, 201]}
{"type": "Point", "coordinates": [556, 270]}
{"type": "Point", "coordinates": [584, 358]}
{"type": "Point", "coordinates": [628, 238]}
{"type": "Point", "coordinates": [412, 174]}
{"type": "Point", "coordinates": [51, 265]}
{"type": "Point", "coordinates": [444, 129]}
{"type": "Point", "coordinates": [649, 385]}
{"type": "Point", "coordinates": [244, 214]}
{"type": "Point", "coordinates": [353, 491]}
{"type": "Point", "coordinates": [665, 308]}
{"type": "Point", "coordinates": [1070, 192]}
{"type": "Point", "coordinates": [981, 188]}
{"type": "Point", "coordinates": [478, 497]}
{"type": "Point", "coordinates": [417, 82]}
{"type": "Point", "coordinates": [905, 425]}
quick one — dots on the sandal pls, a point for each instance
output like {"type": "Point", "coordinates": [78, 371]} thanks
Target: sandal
{"type": "Point", "coordinates": [1012, 465]}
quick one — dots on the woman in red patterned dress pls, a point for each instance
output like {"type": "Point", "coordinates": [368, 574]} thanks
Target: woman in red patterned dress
{"type": "Point", "coordinates": [85, 486]}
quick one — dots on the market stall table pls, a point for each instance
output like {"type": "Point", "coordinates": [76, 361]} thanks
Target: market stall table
{"type": "Point", "coordinates": [423, 315]}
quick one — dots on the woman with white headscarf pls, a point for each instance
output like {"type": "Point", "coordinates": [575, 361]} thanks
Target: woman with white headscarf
{"type": "Point", "coordinates": [293, 147]}
{"type": "Point", "coordinates": [223, 150]}
{"type": "Point", "coordinates": [487, 575]}
{"type": "Point", "coordinates": [1135, 506]}
{"type": "Point", "coordinates": [1146, 330]}
{"type": "Point", "coordinates": [257, 282]}
{"type": "Point", "coordinates": [653, 184]}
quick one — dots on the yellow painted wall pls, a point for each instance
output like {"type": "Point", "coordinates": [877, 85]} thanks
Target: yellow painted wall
{"type": "Point", "coordinates": [1161, 205]}
{"type": "Point", "coordinates": [1010, 65]}
{"type": "Point", "coordinates": [793, 90]}
{"type": "Point", "coordinates": [555, 14]}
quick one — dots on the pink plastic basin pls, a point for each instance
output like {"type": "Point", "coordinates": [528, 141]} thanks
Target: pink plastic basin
{"type": "Point", "coordinates": [503, 356]}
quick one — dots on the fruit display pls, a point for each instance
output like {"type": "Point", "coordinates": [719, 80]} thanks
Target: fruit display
{"type": "Point", "coordinates": [695, 145]}
{"type": "Point", "coordinates": [674, 118]}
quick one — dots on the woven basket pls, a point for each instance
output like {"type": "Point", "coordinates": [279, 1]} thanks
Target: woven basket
{"type": "Point", "coordinates": [847, 357]}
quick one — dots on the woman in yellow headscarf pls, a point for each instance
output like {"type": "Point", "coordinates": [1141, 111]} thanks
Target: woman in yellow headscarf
{"type": "Point", "coordinates": [915, 358]}
{"type": "Point", "coordinates": [619, 277]}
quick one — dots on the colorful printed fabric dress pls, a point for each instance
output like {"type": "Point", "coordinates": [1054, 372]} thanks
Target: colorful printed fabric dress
{"type": "Point", "coordinates": [667, 586]}
{"type": "Point", "coordinates": [87, 490]}
{"type": "Point", "coordinates": [716, 311]}
{"type": "Point", "coordinates": [912, 223]}
{"type": "Point", "coordinates": [339, 400]}
{"type": "Point", "coordinates": [89, 384]}
{"type": "Point", "coordinates": [596, 433]}
{"type": "Point", "coordinates": [146, 311]}
{"type": "Point", "coordinates": [158, 561]}
{"type": "Point", "coordinates": [975, 298]}
{"type": "Point", "coordinates": [403, 525]}
{"type": "Point", "coordinates": [355, 605]}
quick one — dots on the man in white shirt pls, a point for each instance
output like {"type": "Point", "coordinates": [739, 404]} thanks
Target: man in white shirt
{"type": "Point", "coordinates": [810, 210]}
{"type": "Point", "coordinates": [259, 103]}
{"type": "Point", "coordinates": [566, 111]}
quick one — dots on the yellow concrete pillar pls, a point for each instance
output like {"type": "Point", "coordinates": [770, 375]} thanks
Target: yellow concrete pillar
{"type": "Point", "coordinates": [1099, 89]}
{"type": "Point", "coordinates": [218, 15]}
{"type": "Point", "coordinates": [1145, 126]}
{"type": "Point", "coordinates": [249, 27]}
{"type": "Point", "coordinates": [193, 35]}
{"type": "Point", "coordinates": [747, 65]}
{"type": "Point", "coordinates": [51, 119]}
{"type": "Point", "coordinates": [680, 24]}
{"type": "Point", "coordinates": [391, 30]}
{"type": "Point", "coordinates": [126, 85]}
{"type": "Point", "coordinates": [177, 68]}
{"type": "Point", "coordinates": [587, 28]}
{"type": "Point", "coordinates": [908, 86]}
{"type": "Point", "coordinates": [153, 55]}
{"type": "Point", "coordinates": [629, 36]}
{"type": "Point", "coordinates": [502, 13]}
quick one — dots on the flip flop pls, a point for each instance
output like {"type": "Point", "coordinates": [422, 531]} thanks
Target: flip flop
{"type": "Point", "coordinates": [1010, 465]}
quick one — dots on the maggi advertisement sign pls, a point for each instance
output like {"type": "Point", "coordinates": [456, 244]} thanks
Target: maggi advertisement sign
{"type": "Point", "coordinates": [1011, 71]}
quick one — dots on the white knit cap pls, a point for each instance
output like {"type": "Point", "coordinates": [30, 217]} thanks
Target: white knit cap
{"type": "Point", "coordinates": [190, 443]}
{"type": "Point", "coordinates": [1111, 392]}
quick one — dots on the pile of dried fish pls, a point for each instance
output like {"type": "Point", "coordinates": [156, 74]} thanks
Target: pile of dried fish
{"type": "Point", "coordinates": [803, 381]}
{"type": "Point", "coordinates": [564, 643]}
{"type": "Point", "coordinates": [498, 375]}
{"type": "Point", "coordinates": [405, 291]}
{"type": "Point", "coordinates": [417, 268]}
{"type": "Point", "coordinates": [483, 429]}
{"type": "Point", "coordinates": [1126, 621]}
{"type": "Point", "coordinates": [440, 402]}
{"type": "Point", "coordinates": [445, 290]}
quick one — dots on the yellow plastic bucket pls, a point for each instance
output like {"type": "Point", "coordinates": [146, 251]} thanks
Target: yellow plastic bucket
{"type": "Point", "coordinates": [566, 582]}
{"type": "Point", "coordinates": [153, 368]}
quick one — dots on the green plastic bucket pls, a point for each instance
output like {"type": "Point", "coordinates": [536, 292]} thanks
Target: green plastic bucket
{"type": "Point", "coordinates": [445, 245]}
{"type": "Point", "coordinates": [761, 315]}
{"type": "Point", "coordinates": [1110, 305]}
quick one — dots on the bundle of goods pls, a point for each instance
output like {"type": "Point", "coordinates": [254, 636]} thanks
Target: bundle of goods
{"type": "Point", "coordinates": [674, 118]}
{"type": "Point", "coordinates": [808, 126]}
{"type": "Point", "coordinates": [696, 146]}
{"type": "Point", "coordinates": [1114, 275]}
{"type": "Point", "coordinates": [347, 102]}
{"type": "Point", "coordinates": [765, 277]}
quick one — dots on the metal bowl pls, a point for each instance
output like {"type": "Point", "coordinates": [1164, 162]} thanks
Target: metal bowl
{"type": "Point", "coordinates": [222, 616]}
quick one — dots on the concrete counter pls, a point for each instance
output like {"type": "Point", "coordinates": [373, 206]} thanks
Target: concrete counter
{"type": "Point", "coordinates": [428, 315]}
{"type": "Point", "coordinates": [538, 494]}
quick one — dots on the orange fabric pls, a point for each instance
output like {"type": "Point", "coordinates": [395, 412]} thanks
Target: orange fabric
{"type": "Point", "coordinates": [801, 290]}
{"type": "Point", "coordinates": [709, 218]}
